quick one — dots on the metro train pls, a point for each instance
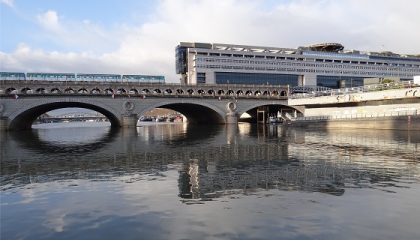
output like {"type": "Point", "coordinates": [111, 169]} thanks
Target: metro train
{"type": "Point", "coordinates": [31, 76]}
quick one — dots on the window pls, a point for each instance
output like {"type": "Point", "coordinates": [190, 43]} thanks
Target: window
{"type": "Point", "coordinates": [256, 78]}
{"type": "Point", "coordinates": [201, 77]}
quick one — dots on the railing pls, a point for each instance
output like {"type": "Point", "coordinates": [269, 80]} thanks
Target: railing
{"type": "Point", "coordinates": [26, 88]}
{"type": "Point", "coordinates": [361, 89]}
{"type": "Point", "coordinates": [144, 83]}
{"type": "Point", "coordinates": [360, 116]}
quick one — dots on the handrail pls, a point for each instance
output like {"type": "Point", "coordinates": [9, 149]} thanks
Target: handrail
{"type": "Point", "coordinates": [361, 89]}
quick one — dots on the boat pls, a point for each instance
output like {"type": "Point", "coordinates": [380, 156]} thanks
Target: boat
{"type": "Point", "coordinates": [274, 120]}
{"type": "Point", "coordinates": [146, 119]}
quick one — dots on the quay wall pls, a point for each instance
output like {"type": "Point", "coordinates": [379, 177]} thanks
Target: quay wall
{"type": "Point", "coordinates": [388, 123]}
{"type": "Point", "coordinates": [397, 109]}
{"type": "Point", "coordinates": [365, 111]}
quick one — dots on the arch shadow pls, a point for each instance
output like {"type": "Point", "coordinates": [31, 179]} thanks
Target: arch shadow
{"type": "Point", "coordinates": [32, 141]}
{"type": "Point", "coordinates": [195, 113]}
{"type": "Point", "coordinates": [271, 108]}
{"type": "Point", "coordinates": [24, 120]}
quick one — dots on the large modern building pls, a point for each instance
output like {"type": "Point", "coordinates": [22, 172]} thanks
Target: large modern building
{"type": "Point", "coordinates": [327, 65]}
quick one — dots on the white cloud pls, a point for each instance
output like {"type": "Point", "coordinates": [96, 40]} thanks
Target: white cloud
{"type": "Point", "coordinates": [149, 48]}
{"type": "Point", "coordinates": [9, 3]}
{"type": "Point", "coordinates": [78, 35]}
{"type": "Point", "coordinates": [49, 20]}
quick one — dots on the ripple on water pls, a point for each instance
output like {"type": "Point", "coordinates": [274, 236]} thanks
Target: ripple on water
{"type": "Point", "coordinates": [192, 182]}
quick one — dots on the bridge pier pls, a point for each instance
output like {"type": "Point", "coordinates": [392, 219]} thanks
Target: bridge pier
{"type": "Point", "coordinates": [129, 121]}
{"type": "Point", "coordinates": [4, 123]}
{"type": "Point", "coordinates": [231, 118]}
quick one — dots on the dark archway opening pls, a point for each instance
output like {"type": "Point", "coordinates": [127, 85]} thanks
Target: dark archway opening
{"type": "Point", "coordinates": [196, 113]}
{"type": "Point", "coordinates": [193, 113]}
{"type": "Point", "coordinates": [270, 113]}
{"type": "Point", "coordinates": [25, 120]}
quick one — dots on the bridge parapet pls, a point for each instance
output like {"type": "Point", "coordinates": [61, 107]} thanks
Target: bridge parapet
{"type": "Point", "coordinates": [16, 87]}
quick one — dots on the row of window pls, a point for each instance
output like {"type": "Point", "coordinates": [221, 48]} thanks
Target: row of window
{"type": "Point", "coordinates": [411, 67]}
{"type": "Point", "coordinates": [222, 58]}
{"type": "Point", "coordinates": [306, 70]}
{"type": "Point", "coordinates": [316, 65]}
{"type": "Point", "coordinates": [282, 79]}
{"type": "Point", "coordinates": [339, 81]}
{"type": "Point", "coordinates": [286, 79]}
{"type": "Point", "coordinates": [256, 78]}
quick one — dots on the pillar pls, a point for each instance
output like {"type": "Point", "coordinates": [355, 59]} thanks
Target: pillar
{"type": "Point", "coordinates": [231, 133]}
{"type": "Point", "coordinates": [231, 118]}
{"type": "Point", "coordinates": [4, 123]}
{"type": "Point", "coordinates": [129, 121]}
{"type": "Point", "coordinates": [231, 115]}
{"type": "Point", "coordinates": [309, 79]}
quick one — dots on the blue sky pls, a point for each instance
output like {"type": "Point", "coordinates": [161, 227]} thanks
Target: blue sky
{"type": "Point", "coordinates": [19, 23]}
{"type": "Point", "coordinates": [139, 37]}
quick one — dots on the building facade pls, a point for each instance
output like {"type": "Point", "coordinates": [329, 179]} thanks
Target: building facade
{"type": "Point", "coordinates": [327, 65]}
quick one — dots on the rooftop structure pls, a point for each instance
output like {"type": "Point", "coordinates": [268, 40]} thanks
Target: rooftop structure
{"type": "Point", "coordinates": [327, 64]}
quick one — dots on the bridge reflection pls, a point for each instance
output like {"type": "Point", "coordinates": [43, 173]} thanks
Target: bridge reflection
{"type": "Point", "coordinates": [218, 161]}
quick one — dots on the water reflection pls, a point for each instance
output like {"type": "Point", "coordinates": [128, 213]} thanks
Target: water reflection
{"type": "Point", "coordinates": [218, 182]}
{"type": "Point", "coordinates": [217, 160]}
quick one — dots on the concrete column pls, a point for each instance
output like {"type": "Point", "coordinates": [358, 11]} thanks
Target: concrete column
{"type": "Point", "coordinates": [309, 79]}
{"type": "Point", "coordinates": [231, 118]}
{"type": "Point", "coordinates": [231, 133]}
{"type": "Point", "coordinates": [300, 80]}
{"type": "Point", "coordinates": [4, 123]}
{"type": "Point", "coordinates": [129, 121]}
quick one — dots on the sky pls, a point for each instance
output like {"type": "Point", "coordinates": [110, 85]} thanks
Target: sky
{"type": "Point", "coordinates": [139, 37]}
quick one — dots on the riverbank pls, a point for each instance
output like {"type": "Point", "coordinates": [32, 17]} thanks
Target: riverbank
{"type": "Point", "coordinates": [389, 123]}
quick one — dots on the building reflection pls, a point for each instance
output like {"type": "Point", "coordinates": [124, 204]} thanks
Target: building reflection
{"type": "Point", "coordinates": [307, 161]}
{"type": "Point", "coordinates": [203, 179]}
{"type": "Point", "coordinates": [216, 161]}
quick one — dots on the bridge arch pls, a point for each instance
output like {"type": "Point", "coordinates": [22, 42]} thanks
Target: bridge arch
{"type": "Point", "coordinates": [55, 90]}
{"type": "Point", "coordinates": [69, 90]}
{"type": "Point", "coordinates": [11, 91]}
{"type": "Point", "coordinates": [202, 113]}
{"type": "Point", "coordinates": [95, 91]}
{"type": "Point", "coordinates": [26, 90]}
{"type": "Point", "coordinates": [41, 91]}
{"type": "Point", "coordinates": [24, 118]}
{"type": "Point", "coordinates": [82, 91]}
{"type": "Point", "coordinates": [121, 91]}
{"type": "Point", "coordinates": [272, 108]}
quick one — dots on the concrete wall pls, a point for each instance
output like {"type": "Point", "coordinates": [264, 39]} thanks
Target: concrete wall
{"type": "Point", "coordinates": [364, 111]}
{"type": "Point", "coordinates": [390, 123]}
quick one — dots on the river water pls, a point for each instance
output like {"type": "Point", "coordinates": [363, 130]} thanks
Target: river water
{"type": "Point", "coordinates": [84, 181]}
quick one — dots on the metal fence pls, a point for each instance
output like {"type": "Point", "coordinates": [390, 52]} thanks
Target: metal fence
{"type": "Point", "coordinates": [361, 89]}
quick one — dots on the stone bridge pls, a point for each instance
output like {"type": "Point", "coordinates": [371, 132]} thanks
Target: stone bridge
{"type": "Point", "coordinates": [122, 103]}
